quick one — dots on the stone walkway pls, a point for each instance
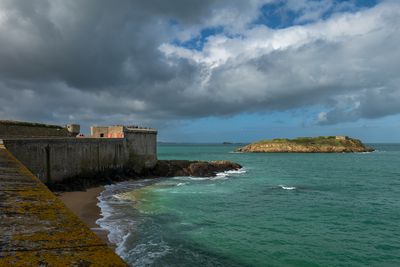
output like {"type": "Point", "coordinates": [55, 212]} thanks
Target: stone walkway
{"type": "Point", "coordinates": [36, 229]}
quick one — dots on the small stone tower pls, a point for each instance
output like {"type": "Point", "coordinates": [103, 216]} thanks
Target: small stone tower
{"type": "Point", "coordinates": [74, 129]}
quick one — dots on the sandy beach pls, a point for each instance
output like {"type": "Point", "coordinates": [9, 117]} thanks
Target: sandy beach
{"type": "Point", "coordinates": [84, 205]}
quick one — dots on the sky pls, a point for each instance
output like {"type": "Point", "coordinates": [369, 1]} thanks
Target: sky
{"type": "Point", "coordinates": [205, 70]}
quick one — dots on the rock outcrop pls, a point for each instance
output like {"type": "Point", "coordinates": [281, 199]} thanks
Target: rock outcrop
{"type": "Point", "coordinates": [170, 168]}
{"type": "Point", "coordinates": [322, 144]}
{"type": "Point", "coordinates": [163, 168]}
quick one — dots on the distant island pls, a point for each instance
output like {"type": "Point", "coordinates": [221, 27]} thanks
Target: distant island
{"type": "Point", "coordinates": [321, 144]}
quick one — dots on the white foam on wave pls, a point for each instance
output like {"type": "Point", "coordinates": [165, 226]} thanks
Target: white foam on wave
{"type": "Point", "coordinates": [112, 203]}
{"type": "Point", "coordinates": [240, 171]}
{"type": "Point", "coordinates": [198, 178]}
{"type": "Point", "coordinates": [218, 176]}
{"type": "Point", "coordinates": [227, 173]}
{"type": "Point", "coordinates": [181, 184]}
{"type": "Point", "coordinates": [128, 196]}
{"type": "Point", "coordinates": [147, 253]}
{"type": "Point", "coordinates": [115, 235]}
{"type": "Point", "coordinates": [287, 187]}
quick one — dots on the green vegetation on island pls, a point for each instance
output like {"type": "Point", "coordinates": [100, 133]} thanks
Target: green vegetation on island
{"type": "Point", "coordinates": [320, 144]}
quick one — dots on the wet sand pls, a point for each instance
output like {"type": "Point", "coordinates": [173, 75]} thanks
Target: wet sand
{"type": "Point", "coordinates": [84, 205]}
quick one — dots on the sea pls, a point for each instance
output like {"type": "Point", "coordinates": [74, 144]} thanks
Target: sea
{"type": "Point", "coordinates": [280, 209]}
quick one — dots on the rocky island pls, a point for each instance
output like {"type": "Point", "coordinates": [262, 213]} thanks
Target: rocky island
{"type": "Point", "coordinates": [321, 144]}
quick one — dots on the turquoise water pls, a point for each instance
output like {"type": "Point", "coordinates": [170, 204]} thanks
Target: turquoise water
{"type": "Point", "coordinates": [281, 210]}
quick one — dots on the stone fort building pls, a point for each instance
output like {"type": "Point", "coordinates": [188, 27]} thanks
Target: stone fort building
{"type": "Point", "coordinates": [54, 153]}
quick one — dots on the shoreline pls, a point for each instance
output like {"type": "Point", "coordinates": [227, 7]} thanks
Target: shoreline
{"type": "Point", "coordinates": [84, 205]}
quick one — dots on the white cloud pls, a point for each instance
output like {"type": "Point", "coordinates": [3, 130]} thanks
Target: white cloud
{"type": "Point", "coordinates": [322, 62]}
{"type": "Point", "coordinates": [322, 117]}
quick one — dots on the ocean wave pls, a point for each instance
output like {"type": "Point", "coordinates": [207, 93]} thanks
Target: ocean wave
{"type": "Point", "coordinates": [231, 172]}
{"type": "Point", "coordinates": [240, 171]}
{"type": "Point", "coordinates": [127, 196]}
{"type": "Point", "coordinates": [197, 178]}
{"type": "Point", "coordinates": [114, 204]}
{"type": "Point", "coordinates": [116, 235]}
{"type": "Point", "coordinates": [287, 187]}
{"type": "Point", "coordinates": [218, 176]}
{"type": "Point", "coordinates": [146, 254]}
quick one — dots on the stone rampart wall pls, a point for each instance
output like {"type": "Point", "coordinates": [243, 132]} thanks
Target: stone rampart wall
{"type": "Point", "coordinates": [144, 145]}
{"type": "Point", "coordinates": [55, 159]}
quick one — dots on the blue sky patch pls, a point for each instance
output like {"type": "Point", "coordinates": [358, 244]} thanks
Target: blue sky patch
{"type": "Point", "coordinates": [198, 42]}
{"type": "Point", "coordinates": [279, 15]}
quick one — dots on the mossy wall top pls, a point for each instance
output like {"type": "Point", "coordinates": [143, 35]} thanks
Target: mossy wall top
{"type": "Point", "coordinates": [15, 129]}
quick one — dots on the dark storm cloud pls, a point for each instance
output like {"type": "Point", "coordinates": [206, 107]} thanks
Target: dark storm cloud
{"type": "Point", "coordinates": [86, 44]}
{"type": "Point", "coordinates": [103, 61]}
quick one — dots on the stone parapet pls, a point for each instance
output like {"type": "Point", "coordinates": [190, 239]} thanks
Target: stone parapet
{"type": "Point", "coordinates": [36, 229]}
